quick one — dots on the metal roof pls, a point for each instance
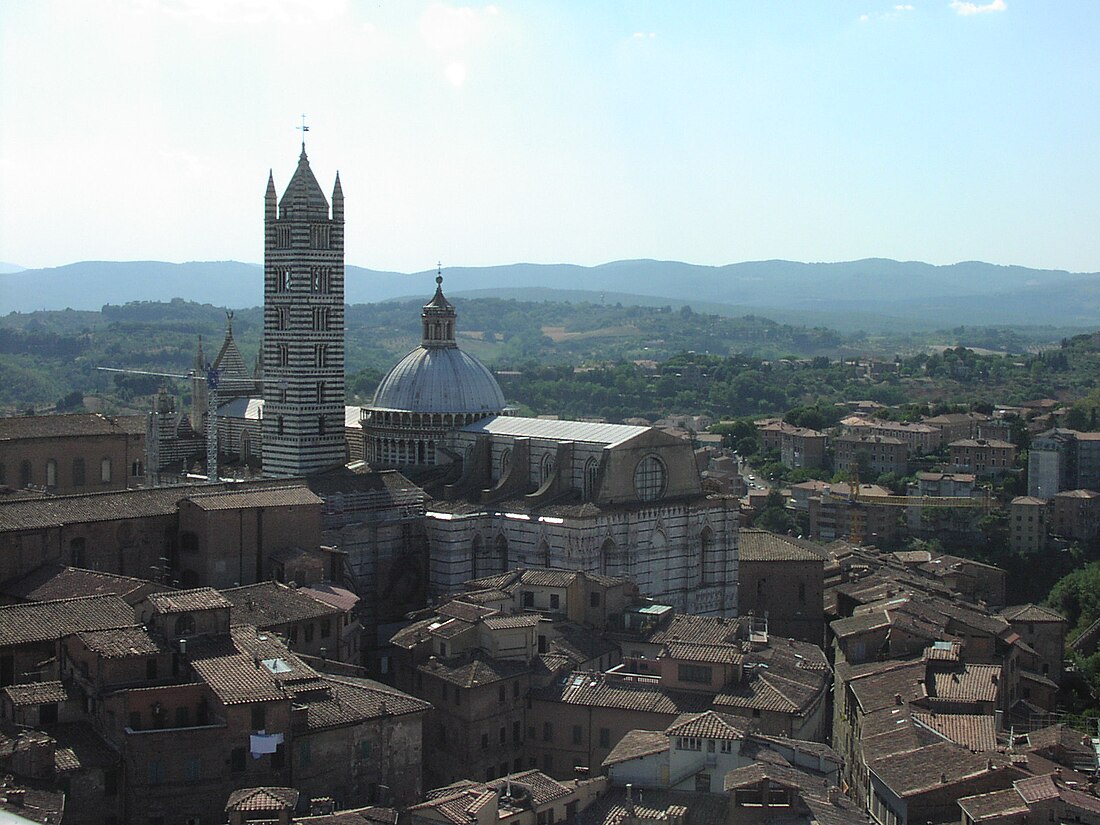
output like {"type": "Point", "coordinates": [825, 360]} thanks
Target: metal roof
{"type": "Point", "coordinates": [595, 433]}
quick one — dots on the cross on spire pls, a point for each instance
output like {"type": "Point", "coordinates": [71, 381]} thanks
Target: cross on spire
{"type": "Point", "coordinates": [303, 129]}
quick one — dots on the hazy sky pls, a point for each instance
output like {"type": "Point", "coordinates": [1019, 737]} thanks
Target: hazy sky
{"type": "Point", "coordinates": [577, 132]}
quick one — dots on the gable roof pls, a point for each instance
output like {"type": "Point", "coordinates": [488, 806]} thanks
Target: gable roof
{"type": "Point", "coordinates": [46, 621]}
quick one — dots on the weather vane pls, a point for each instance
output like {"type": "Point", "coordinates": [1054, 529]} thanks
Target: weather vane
{"type": "Point", "coordinates": [303, 129]}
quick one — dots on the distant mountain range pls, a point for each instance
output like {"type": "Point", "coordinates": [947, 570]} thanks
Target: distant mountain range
{"type": "Point", "coordinates": [869, 294]}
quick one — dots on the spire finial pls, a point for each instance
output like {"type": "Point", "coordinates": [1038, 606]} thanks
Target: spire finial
{"type": "Point", "coordinates": [439, 273]}
{"type": "Point", "coordinates": [303, 129]}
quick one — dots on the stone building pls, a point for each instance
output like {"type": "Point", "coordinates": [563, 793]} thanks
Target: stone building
{"type": "Point", "coordinates": [982, 457]}
{"type": "Point", "coordinates": [877, 453]}
{"type": "Point", "coordinates": [612, 499]}
{"type": "Point", "coordinates": [1076, 515]}
{"type": "Point", "coordinates": [72, 453]}
{"type": "Point", "coordinates": [303, 356]}
{"type": "Point", "coordinates": [1029, 523]}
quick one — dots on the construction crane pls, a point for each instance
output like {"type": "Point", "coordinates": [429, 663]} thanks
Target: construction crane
{"type": "Point", "coordinates": [211, 414]}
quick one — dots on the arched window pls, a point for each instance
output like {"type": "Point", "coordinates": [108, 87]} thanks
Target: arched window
{"type": "Point", "coordinates": [78, 472]}
{"type": "Point", "coordinates": [185, 625]}
{"type": "Point", "coordinates": [591, 473]}
{"type": "Point", "coordinates": [544, 553]}
{"type": "Point", "coordinates": [137, 468]}
{"type": "Point", "coordinates": [706, 556]}
{"type": "Point", "coordinates": [105, 471]}
{"type": "Point", "coordinates": [650, 478]}
{"type": "Point", "coordinates": [611, 561]}
{"type": "Point", "coordinates": [320, 425]}
{"type": "Point", "coordinates": [76, 552]}
{"type": "Point", "coordinates": [505, 462]}
{"type": "Point", "coordinates": [546, 468]}
{"type": "Point", "coordinates": [25, 474]}
{"type": "Point", "coordinates": [3, 473]}
{"type": "Point", "coordinates": [279, 424]}
{"type": "Point", "coordinates": [501, 547]}
{"type": "Point", "coordinates": [51, 473]}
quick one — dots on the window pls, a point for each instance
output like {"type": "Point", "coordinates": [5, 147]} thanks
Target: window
{"type": "Point", "coordinates": [293, 634]}
{"type": "Point", "coordinates": [700, 674]}
{"type": "Point", "coordinates": [279, 424]}
{"type": "Point", "coordinates": [105, 471]}
{"type": "Point", "coordinates": [702, 782]}
{"type": "Point", "coordinates": [578, 735]}
{"type": "Point", "coordinates": [278, 759]}
{"type": "Point", "coordinates": [727, 746]}
{"type": "Point", "coordinates": [151, 668]}
{"type": "Point", "coordinates": [504, 738]}
{"type": "Point", "coordinates": [500, 694]}
{"type": "Point", "coordinates": [47, 714]}
{"type": "Point", "coordinates": [137, 468]}
{"type": "Point", "coordinates": [320, 355]}
{"type": "Point", "coordinates": [183, 717]}
{"type": "Point", "coordinates": [485, 741]}
{"type": "Point", "coordinates": [555, 601]}
{"type": "Point", "coordinates": [320, 425]}
{"type": "Point", "coordinates": [326, 628]}
{"type": "Point", "coordinates": [515, 690]}
{"type": "Point", "coordinates": [689, 743]}
{"type": "Point", "coordinates": [282, 354]}
{"type": "Point", "coordinates": [528, 598]}
{"type": "Point", "coordinates": [543, 646]}
{"type": "Point", "coordinates": [309, 633]}
{"type": "Point", "coordinates": [236, 760]}
{"type": "Point", "coordinates": [305, 754]}
{"type": "Point", "coordinates": [76, 551]}
{"type": "Point", "coordinates": [154, 771]}
{"type": "Point", "coordinates": [446, 691]}
{"type": "Point", "coordinates": [319, 236]}
{"type": "Point", "coordinates": [320, 392]}
{"type": "Point", "coordinates": [650, 478]}
{"type": "Point", "coordinates": [259, 717]}
{"type": "Point", "coordinates": [282, 317]}
{"type": "Point", "coordinates": [605, 738]}
{"type": "Point", "coordinates": [135, 720]}
{"type": "Point", "coordinates": [594, 599]}
{"type": "Point", "coordinates": [802, 592]}
{"type": "Point", "coordinates": [547, 732]}
{"type": "Point", "coordinates": [192, 769]}
{"type": "Point", "coordinates": [51, 473]}
{"type": "Point", "coordinates": [546, 467]}
{"type": "Point", "coordinates": [319, 279]}
{"type": "Point", "coordinates": [25, 474]}
{"type": "Point", "coordinates": [78, 472]}
{"type": "Point", "coordinates": [282, 237]}
{"type": "Point", "coordinates": [515, 732]}
{"type": "Point", "coordinates": [320, 319]}
{"type": "Point", "coordinates": [185, 625]}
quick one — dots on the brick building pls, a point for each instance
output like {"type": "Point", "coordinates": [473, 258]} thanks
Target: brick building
{"type": "Point", "coordinates": [982, 457]}
{"type": "Point", "coordinates": [72, 453]}
{"type": "Point", "coordinates": [782, 579]}
{"type": "Point", "coordinates": [878, 453]}
{"type": "Point", "coordinates": [1029, 523]}
{"type": "Point", "coordinates": [1076, 515]}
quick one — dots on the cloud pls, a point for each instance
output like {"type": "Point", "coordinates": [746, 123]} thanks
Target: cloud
{"type": "Point", "coordinates": [454, 28]}
{"type": "Point", "coordinates": [644, 35]}
{"type": "Point", "coordinates": [904, 7]}
{"type": "Point", "coordinates": [966, 8]}
{"type": "Point", "coordinates": [455, 73]}
{"type": "Point", "coordinates": [293, 12]}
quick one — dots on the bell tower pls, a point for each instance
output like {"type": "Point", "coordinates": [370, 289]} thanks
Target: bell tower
{"type": "Point", "coordinates": [303, 350]}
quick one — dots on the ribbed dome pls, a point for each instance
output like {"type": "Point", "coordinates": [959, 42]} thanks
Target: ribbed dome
{"type": "Point", "coordinates": [439, 380]}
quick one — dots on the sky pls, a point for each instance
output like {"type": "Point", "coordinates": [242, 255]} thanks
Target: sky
{"type": "Point", "coordinates": [572, 131]}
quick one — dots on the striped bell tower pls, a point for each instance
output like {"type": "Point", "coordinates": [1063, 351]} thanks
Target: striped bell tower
{"type": "Point", "coordinates": [303, 350]}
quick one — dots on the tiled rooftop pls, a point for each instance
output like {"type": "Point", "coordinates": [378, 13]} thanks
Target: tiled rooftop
{"type": "Point", "coordinates": [350, 700]}
{"type": "Point", "coordinates": [45, 621]}
{"type": "Point", "coordinates": [187, 601]}
{"type": "Point", "coordinates": [470, 672]}
{"type": "Point", "coordinates": [262, 799]}
{"type": "Point", "coordinates": [636, 744]}
{"type": "Point", "coordinates": [19, 427]}
{"type": "Point", "coordinates": [975, 732]}
{"type": "Point", "coordinates": [708, 725]}
{"type": "Point", "coordinates": [56, 581]}
{"type": "Point", "coordinates": [120, 642]}
{"type": "Point", "coordinates": [944, 763]}
{"type": "Point", "coordinates": [1032, 613]}
{"type": "Point", "coordinates": [263, 497]}
{"type": "Point", "coordinates": [760, 545]}
{"type": "Point", "coordinates": [580, 688]}
{"type": "Point", "coordinates": [269, 604]}
{"type": "Point", "coordinates": [234, 668]}
{"type": "Point", "coordinates": [37, 693]}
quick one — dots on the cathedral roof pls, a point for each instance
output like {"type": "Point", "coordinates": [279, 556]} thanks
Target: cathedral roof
{"type": "Point", "coordinates": [303, 198]}
{"type": "Point", "coordinates": [439, 380]}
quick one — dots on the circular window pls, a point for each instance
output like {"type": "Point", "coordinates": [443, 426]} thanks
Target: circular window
{"type": "Point", "coordinates": [650, 478]}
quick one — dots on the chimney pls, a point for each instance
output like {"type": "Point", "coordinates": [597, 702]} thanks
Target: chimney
{"type": "Point", "coordinates": [833, 795]}
{"type": "Point", "coordinates": [15, 796]}
{"type": "Point", "coordinates": [183, 647]}
{"type": "Point", "coordinates": [943, 779]}
{"type": "Point", "coordinates": [897, 698]}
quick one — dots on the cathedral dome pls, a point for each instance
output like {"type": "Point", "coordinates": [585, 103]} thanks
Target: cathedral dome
{"type": "Point", "coordinates": [439, 380]}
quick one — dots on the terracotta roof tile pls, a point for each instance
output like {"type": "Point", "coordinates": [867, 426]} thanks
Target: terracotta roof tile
{"type": "Point", "coordinates": [760, 545]}
{"type": "Point", "coordinates": [976, 732]}
{"type": "Point", "coordinates": [708, 725]}
{"type": "Point", "coordinates": [37, 693]}
{"type": "Point", "coordinates": [261, 497]}
{"type": "Point", "coordinates": [44, 621]}
{"type": "Point", "coordinates": [1032, 613]}
{"type": "Point", "coordinates": [349, 701]}
{"type": "Point", "coordinates": [262, 799]}
{"type": "Point", "coordinates": [56, 581]}
{"type": "Point", "coordinates": [636, 744]}
{"type": "Point", "coordinates": [186, 601]}
{"type": "Point", "coordinates": [120, 642]}
{"type": "Point", "coordinates": [268, 604]}
{"type": "Point", "coordinates": [19, 427]}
